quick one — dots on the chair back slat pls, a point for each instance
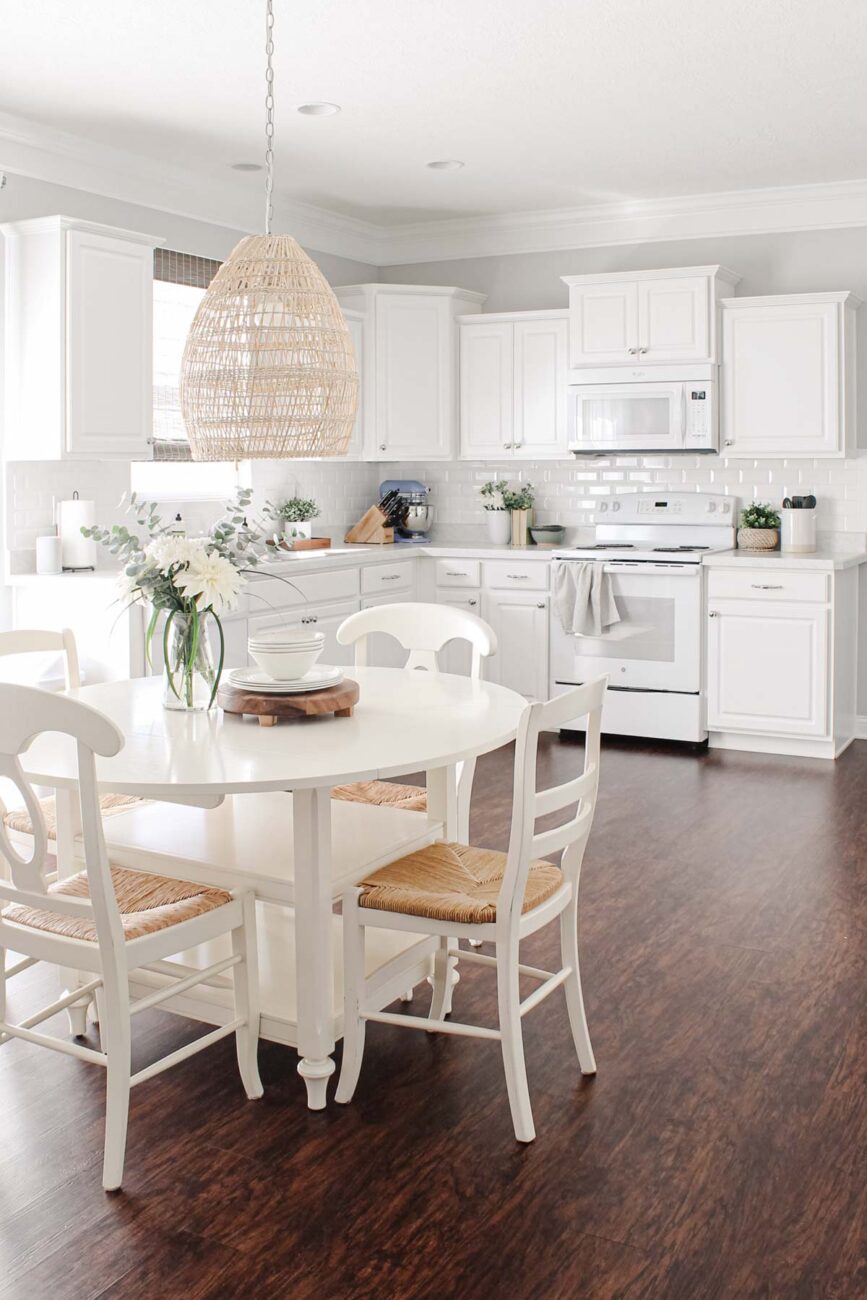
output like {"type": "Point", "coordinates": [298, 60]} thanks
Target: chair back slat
{"type": "Point", "coordinates": [525, 844]}
{"type": "Point", "coordinates": [422, 630]}
{"type": "Point", "coordinates": [26, 713]}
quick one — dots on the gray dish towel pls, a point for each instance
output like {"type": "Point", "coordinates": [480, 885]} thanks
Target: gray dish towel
{"type": "Point", "coordinates": [583, 597]}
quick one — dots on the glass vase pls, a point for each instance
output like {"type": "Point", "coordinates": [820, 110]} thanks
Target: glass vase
{"type": "Point", "coordinates": [191, 674]}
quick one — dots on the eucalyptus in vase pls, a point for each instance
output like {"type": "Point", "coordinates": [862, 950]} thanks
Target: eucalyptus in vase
{"type": "Point", "coordinates": [190, 582]}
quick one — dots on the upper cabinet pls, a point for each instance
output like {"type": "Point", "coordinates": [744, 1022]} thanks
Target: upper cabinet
{"type": "Point", "coordinates": [514, 375]}
{"type": "Point", "coordinates": [409, 368]}
{"type": "Point", "coordinates": [79, 340]}
{"type": "Point", "coordinates": [788, 375]}
{"type": "Point", "coordinates": [355, 324]}
{"type": "Point", "coordinates": [651, 317]}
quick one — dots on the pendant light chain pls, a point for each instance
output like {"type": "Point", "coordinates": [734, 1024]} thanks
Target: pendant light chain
{"type": "Point", "coordinates": [269, 115]}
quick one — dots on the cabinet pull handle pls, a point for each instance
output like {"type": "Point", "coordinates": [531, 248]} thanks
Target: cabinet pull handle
{"type": "Point", "coordinates": [632, 351]}
{"type": "Point", "coordinates": [455, 573]}
{"type": "Point", "coordinates": [641, 351]}
{"type": "Point", "coordinates": [517, 575]}
{"type": "Point", "coordinates": [390, 577]}
{"type": "Point", "coordinates": [540, 604]}
{"type": "Point", "coordinates": [766, 586]}
{"type": "Point", "coordinates": [729, 442]}
{"type": "Point", "coordinates": [472, 602]}
{"type": "Point", "coordinates": [507, 446]}
{"type": "Point", "coordinates": [382, 447]}
{"type": "Point", "coordinates": [713, 613]}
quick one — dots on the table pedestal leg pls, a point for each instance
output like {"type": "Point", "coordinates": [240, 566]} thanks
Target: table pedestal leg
{"type": "Point", "coordinates": [314, 970]}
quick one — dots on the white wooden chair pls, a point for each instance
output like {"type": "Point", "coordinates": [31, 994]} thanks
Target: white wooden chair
{"type": "Point", "coordinates": [467, 893]}
{"type": "Point", "coordinates": [33, 641]}
{"type": "Point", "coordinates": [111, 922]}
{"type": "Point", "coordinates": [423, 631]}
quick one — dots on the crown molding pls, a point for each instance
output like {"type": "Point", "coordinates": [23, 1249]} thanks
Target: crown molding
{"type": "Point", "coordinates": [41, 153]}
{"type": "Point", "coordinates": [60, 158]}
{"type": "Point", "coordinates": [702, 216]}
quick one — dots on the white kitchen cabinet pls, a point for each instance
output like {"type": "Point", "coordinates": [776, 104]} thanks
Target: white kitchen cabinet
{"type": "Point", "coordinates": [651, 317]}
{"type": "Point", "coordinates": [513, 386]}
{"type": "Point", "coordinates": [520, 620]}
{"type": "Point", "coordinates": [788, 375]}
{"type": "Point", "coordinates": [410, 360]}
{"type": "Point", "coordinates": [79, 337]}
{"type": "Point", "coordinates": [355, 324]}
{"type": "Point", "coordinates": [768, 668]}
{"type": "Point", "coordinates": [781, 657]}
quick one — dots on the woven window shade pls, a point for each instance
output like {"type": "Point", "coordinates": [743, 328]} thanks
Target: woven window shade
{"type": "Point", "coordinates": [269, 370]}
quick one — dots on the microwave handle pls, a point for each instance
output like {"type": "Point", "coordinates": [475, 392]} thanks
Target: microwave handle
{"type": "Point", "coordinates": [683, 412]}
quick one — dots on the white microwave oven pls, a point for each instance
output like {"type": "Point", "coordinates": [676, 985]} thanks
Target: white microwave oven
{"type": "Point", "coordinates": [644, 410]}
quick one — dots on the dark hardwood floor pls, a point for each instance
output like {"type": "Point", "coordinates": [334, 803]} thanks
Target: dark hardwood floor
{"type": "Point", "coordinates": [718, 1153]}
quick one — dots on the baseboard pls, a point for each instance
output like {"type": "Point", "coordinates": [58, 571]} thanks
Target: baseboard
{"type": "Point", "coordinates": [861, 727]}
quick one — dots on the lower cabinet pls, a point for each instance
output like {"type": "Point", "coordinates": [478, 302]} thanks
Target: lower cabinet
{"type": "Point", "coordinates": [520, 620]}
{"type": "Point", "coordinates": [768, 668]}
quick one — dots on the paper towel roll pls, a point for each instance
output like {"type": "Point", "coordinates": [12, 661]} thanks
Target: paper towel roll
{"type": "Point", "coordinates": [77, 552]}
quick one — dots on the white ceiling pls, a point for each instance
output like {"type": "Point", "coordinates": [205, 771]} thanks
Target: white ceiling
{"type": "Point", "coordinates": [553, 104]}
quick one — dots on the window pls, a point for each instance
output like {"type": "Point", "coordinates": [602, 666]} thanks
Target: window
{"type": "Point", "coordinates": [180, 281]}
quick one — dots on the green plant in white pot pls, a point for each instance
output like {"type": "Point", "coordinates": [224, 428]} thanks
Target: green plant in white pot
{"type": "Point", "coordinates": [296, 517]}
{"type": "Point", "coordinates": [497, 516]}
{"type": "Point", "coordinates": [519, 502]}
{"type": "Point", "coordinates": [759, 527]}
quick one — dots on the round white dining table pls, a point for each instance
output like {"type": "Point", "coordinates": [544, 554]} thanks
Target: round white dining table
{"type": "Point", "coordinates": [403, 722]}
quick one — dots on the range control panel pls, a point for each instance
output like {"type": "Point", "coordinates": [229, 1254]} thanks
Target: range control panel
{"type": "Point", "coordinates": [667, 507]}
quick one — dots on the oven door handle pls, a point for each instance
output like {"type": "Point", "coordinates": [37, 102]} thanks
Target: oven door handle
{"type": "Point", "coordinates": [667, 570]}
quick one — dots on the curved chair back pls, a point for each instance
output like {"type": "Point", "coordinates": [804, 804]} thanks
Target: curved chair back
{"type": "Point", "coordinates": [525, 844]}
{"type": "Point", "coordinates": [38, 640]}
{"type": "Point", "coordinates": [422, 630]}
{"type": "Point", "coordinates": [26, 713]}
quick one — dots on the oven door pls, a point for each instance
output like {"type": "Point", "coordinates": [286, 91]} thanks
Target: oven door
{"type": "Point", "coordinates": [626, 417]}
{"type": "Point", "coordinates": [656, 646]}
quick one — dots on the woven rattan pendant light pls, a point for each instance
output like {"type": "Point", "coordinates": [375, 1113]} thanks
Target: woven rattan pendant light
{"type": "Point", "coordinates": [269, 370]}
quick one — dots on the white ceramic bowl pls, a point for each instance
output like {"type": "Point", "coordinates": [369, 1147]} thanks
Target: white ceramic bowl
{"type": "Point", "coordinates": [286, 636]}
{"type": "Point", "coordinates": [286, 665]}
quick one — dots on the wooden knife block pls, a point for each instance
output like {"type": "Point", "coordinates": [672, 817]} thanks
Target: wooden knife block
{"type": "Point", "coordinates": [371, 529]}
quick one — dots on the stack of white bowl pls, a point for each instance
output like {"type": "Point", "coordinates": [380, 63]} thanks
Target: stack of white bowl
{"type": "Point", "coordinates": [285, 654]}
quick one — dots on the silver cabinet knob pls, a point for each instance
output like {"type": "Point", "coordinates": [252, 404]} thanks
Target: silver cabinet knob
{"type": "Point", "coordinates": [507, 446]}
{"type": "Point", "coordinates": [472, 602]}
{"type": "Point", "coordinates": [729, 442]}
{"type": "Point", "coordinates": [633, 351]}
{"type": "Point", "coordinates": [713, 613]}
{"type": "Point", "coordinates": [540, 604]}
{"type": "Point", "coordinates": [382, 447]}
{"type": "Point", "coordinates": [641, 351]}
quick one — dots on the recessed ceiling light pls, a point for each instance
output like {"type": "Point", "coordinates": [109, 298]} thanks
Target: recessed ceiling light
{"type": "Point", "coordinates": [246, 167]}
{"type": "Point", "coordinates": [446, 165]}
{"type": "Point", "coordinates": [319, 109]}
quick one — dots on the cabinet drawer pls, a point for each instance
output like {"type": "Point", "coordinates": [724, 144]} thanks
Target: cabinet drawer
{"type": "Point", "coordinates": [458, 573]}
{"type": "Point", "coordinates": [305, 589]}
{"type": "Point", "coordinates": [471, 600]}
{"type": "Point", "coordinates": [377, 578]}
{"type": "Point", "coordinates": [767, 584]}
{"type": "Point", "coordinates": [516, 575]}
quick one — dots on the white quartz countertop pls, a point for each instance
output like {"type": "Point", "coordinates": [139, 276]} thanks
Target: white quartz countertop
{"type": "Point", "coordinates": [828, 556]}
{"type": "Point", "coordinates": [334, 557]}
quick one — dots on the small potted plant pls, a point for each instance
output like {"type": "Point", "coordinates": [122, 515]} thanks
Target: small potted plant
{"type": "Point", "coordinates": [296, 517]}
{"type": "Point", "coordinates": [519, 502]}
{"type": "Point", "coordinates": [759, 528]}
{"type": "Point", "coordinates": [497, 515]}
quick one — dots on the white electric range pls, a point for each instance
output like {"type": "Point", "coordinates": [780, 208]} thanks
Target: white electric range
{"type": "Point", "coordinates": [651, 544]}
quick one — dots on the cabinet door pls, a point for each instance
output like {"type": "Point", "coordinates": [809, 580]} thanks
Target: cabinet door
{"type": "Point", "coordinates": [355, 323]}
{"type": "Point", "coordinates": [768, 668]}
{"type": "Point", "coordinates": [382, 650]}
{"type": "Point", "coordinates": [486, 390]}
{"type": "Point", "coordinates": [603, 323]}
{"type": "Point", "coordinates": [415, 364]}
{"type": "Point", "coordinates": [457, 656]}
{"type": "Point", "coordinates": [109, 347]}
{"type": "Point", "coordinates": [674, 319]}
{"type": "Point", "coordinates": [541, 350]}
{"type": "Point", "coordinates": [781, 381]}
{"type": "Point", "coordinates": [520, 620]}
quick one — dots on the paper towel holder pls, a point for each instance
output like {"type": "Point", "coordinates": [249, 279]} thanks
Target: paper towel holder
{"type": "Point", "coordinates": [78, 553]}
